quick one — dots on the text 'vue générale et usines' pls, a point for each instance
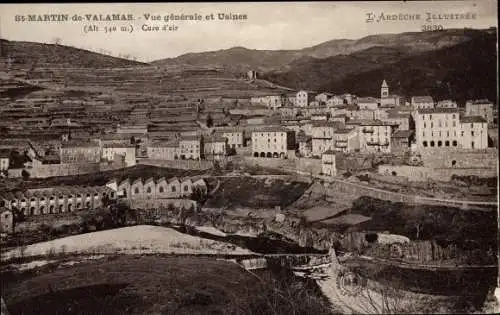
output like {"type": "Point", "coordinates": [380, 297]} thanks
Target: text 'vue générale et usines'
{"type": "Point", "coordinates": [117, 17]}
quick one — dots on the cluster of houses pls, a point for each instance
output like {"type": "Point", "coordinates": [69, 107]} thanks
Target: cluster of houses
{"type": "Point", "coordinates": [302, 124]}
{"type": "Point", "coordinates": [325, 122]}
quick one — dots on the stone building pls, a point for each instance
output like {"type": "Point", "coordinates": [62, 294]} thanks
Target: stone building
{"type": "Point", "coordinates": [437, 127]}
{"type": "Point", "coordinates": [215, 147]}
{"type": "Point", "coordinates": [322, 137]}
{"type": "Point", "coordinates": [272, 142]}
{"type": "Point", "coordinates": [191, 147]}
{"type": "Point", "coordinates": [80, 152]}
{"type": "Point", "coordinates": [446, 104]}
{"type": "Point", "coordinates": [346, 140]}
{"type": "Point", "coordinates": [56, 199]}
{"type": "Point", "coordinates": [483, 108]}
{"type": "Point", "coordinates": [421, 102]}
{"type": "Point", "coordinates": [235, 137]}
{"type": "Point", "coordinates": [328, 164]}
{"type": "Point", "coordinates": [473, 132]}
{"type": "Point", "coordinates": [4, 160]}
{"type": "Point", "coordinates": [374, 135]}
{"type": "Point", "coordinates": [126, 152]}
{"type": "Point", "coordinates": [156, 188]}
{"type": "Point", "coordinates": [369, 103]}
{"type": "Point", "coordinates": [401, 140]}
{"type": "Point", "coordinates": [164, 151]}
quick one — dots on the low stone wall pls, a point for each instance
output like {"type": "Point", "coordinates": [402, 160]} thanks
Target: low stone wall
{"type": "Point", "coordinates": [421, 173]}
{"type": "Point", "coordinates": [160, 204]}
{"type": "Point", "coordinates": [180, 164]}
{"type": "Point", "coordinates": [63, 169]}
{"type": "Point", "coordinates": [460, 158]}
{"type": "Point", "coordinates": [300, 164]}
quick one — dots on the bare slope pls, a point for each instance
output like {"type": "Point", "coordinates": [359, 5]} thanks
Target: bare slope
{"type": "Point", "coordinates": [51, 55]}
{"type": "Point", "coordinates": [239, 59]}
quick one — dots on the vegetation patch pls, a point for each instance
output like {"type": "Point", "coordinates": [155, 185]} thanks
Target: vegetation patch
{"type": "Point", "coordinates": [156, 285]}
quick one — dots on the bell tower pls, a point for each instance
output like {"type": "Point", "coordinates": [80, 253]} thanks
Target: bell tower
{"type": "Point", "coordinates": [384, 90]}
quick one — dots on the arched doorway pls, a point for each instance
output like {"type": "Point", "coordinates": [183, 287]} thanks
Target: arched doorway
{"type": "Point", "coordinates": [275, 155]}
{"type": "Point", "coordinates": [256, 154]}
{"type": "Point", "coordinates": [269, 155]}
{"type": "Point", "coordinates": [70, 207]}
{"type": "Point", "coordinates": [262, 154]}
{"type": "Point", "coordinates": [282, 155]}
{"type": "Point", "coordinates": [51, 208]}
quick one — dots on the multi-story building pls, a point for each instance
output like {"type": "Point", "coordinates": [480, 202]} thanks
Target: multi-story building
{"type": "Point", "coordinates": [346, 140]}
{"type": "Point", "coordinates": [328, 165]}
{"type": "Point", "coordinates": [302, 99]}
{"type": "Point", "coordinates": [126, 152]}
{"type": "Point", "coordinates": [401, 140]}
{"type": "Point", "coordinates": [272, 142]}
{"type": "Point", "coordinates": [402, 121]}
{"type": "Point", "coordinates": [420, 102]}
{"type": "Point", "coordinates": [322, 137]}
{"type": "Point", "coordinates": [4, 160]}
{"type": "Point", "coordinates": [473, 132]}
{"type": "Point", "coordinates": [190, 148]}
{"type": "Point", "coordinates": [323, 98]}
{"type": "Point", "coordinates": [374, 135]}
{"type": "Point", "coordinates": [164, 151]}
{"type": "Point", "coordinates": [483, 108]}
{"type": "Point", "coordinates": [235, 138]}
{"type": "Point", "coordinates": [215, 147]}
{"type": "Point", "coordinates": [437, 127]}
{"type": "Point", "coordinates": [305, 144]}
{"type": "Point", "coordinates": [80, 152]}
{"type": "Point", "coordinates": [369, 103]}
{"type": "Point", "coordinates": [446, 104]}
{"type": "Point", "coordinates": [271, 101]}
{"type": "Point", "coordinates": [335, 101]}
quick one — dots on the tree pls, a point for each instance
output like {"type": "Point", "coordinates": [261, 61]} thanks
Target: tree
{"type": "Point", "coordinates": [198, 195]}
{"type": "Point", "coordinates": [210, 121]}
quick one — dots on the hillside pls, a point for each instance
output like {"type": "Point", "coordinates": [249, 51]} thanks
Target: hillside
{"type": "Point", "coordinates": [239, 59]}
{"type": "Point", "coordinates": [461, 72]}
{"type": "Point", "coordinates": [30, 54]}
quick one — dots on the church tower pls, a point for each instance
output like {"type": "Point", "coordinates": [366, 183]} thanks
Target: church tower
{"type": "Point", "coordinates": [384, 90]}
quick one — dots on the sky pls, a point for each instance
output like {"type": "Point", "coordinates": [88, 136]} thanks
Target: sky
{"type": "Point", "coordinates": [268, 26]}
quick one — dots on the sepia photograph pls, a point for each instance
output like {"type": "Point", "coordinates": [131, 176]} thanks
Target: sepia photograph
{"type": "Point", "coordinates": [249, 158]}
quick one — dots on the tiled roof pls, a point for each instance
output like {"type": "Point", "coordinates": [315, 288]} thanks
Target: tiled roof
{"type": "Point", "coordinates": [479, 102]}
{"type": "Point", "coordinates": [368, 99]}
{"type": "Point", "coordinates": [79, 145]}
{"type": "Point", "coordinates": [422, 99]}
{"type": "Point", "coordinates": [402, 134]}
{"type": "Point", "coordinates": [438, 110]}
{"type": "Point", "coordinates": [472, 119]}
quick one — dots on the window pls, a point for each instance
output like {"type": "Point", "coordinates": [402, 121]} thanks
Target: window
{"type": "Point", "coordinates": [186, 188]}
{"type": "Point", "coordinates": [432, 124]}
{"type": "Point", "coordinates": [447, 134]}
{"type": "Point", "coordinates": [440, 143]}
{"type": "Point", "coordinates": [136, 190]}
{"type": "Point", "coordinates": [472, 133]}
{"type": "Point", "coordinates": [472, 125]}
{"type": "Point", "coordinates": [423, 133]}
{"type": "Point", "coordinates": [462, 133]}
{"type": "Point", "coordinates": [432, 144]}
{"type": "Point", "coordinates": [447, 143]}
{"type": "Point", "coordinates": [454, 143]}
{"type": "Point", "coordinates": [149, 190]}
{"type": "Point", "coordinates": [454, 124]}
{"type": "Point", "coordinates": [173, 188]}
{"type": "Point", "coordinates": [472, 144]}
{"type": "Point", "coordinates": [425, 125]}
{"type": "Point", "coordinates": [453, 118]}
{"type": "Point", "coordinates": [425, 143]}
{"type": "Point", "coordinates": [161, 190]}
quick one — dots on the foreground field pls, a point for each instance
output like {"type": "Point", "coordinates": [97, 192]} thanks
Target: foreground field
{"type": "Point", "coordinates": [136, 239]}
{"type": "Point", "coordinates": [158, 285]}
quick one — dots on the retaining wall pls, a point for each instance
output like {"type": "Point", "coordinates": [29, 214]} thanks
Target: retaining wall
{"type": "Point", "coordinates": [421, 173]}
